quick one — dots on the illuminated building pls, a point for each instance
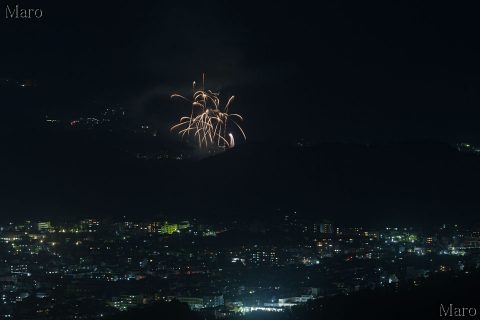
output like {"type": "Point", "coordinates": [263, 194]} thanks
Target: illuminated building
{"type": "Point", "coordinates": [266, 256]}
{"type": "Point", "coordinates": [350, 231]}
{"type": "Point", "coordinates": [183, 225]}
{"type": "Point", "coordinates": [326, 228]}
{"type": "Point", "coordinates": [44, 226]}
{"type": "Point", "coordinates": [322, 228]}
{"type": "Point", "coordinates": [209, 233]}
{"type": "Point", "coordinates": [19, 269]}
{"type": "Point", "coordinates": [194, 303]}
{"type": "Point", "coordinates": [429, 240]}
{"type": "Point", "coordinates": [213, 301]}
{"type": "Point", "coordinates": [291, 301]}
{"type": "Point", "coordinates": [89, 225]}
{"type": "Point", "coordinates": [125, 302]}
{"type": "Point", "coordinates": [204, 302]}
{"type": "Point", "coordinates": [168, 228]}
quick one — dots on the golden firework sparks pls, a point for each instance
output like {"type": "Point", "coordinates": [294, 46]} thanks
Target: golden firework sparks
{"type": "Point", "coordinates": [208, 122]}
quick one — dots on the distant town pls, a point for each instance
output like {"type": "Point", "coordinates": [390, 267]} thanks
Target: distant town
{"type": "Point", "coordinates": [95, 268]}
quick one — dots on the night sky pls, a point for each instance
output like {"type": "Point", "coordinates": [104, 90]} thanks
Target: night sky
{"type": "Point", "coordinates": [366, 74]}
{"type": "Point", "coordinates": [330, 72]}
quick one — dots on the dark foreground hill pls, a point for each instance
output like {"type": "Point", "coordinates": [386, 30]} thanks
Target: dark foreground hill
{"type": "Point", "coordinates": [84, 174]}
{"type": "Point", "coordinates": [161, 310]}
{"type": "Point", "coordinates": [442, 294]}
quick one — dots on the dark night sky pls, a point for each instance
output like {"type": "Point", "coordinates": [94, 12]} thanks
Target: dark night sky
{"type": "Point", "coordinates": [336, 71]}
{"type": "Point", "coordinates": [339, 72]}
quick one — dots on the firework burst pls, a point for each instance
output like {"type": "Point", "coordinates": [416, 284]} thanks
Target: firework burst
{"type": "Point", "coordinates": [208, 122]}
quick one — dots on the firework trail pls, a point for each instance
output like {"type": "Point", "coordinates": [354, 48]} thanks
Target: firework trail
{"type": "Point", "coordinates": [208, 123]}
